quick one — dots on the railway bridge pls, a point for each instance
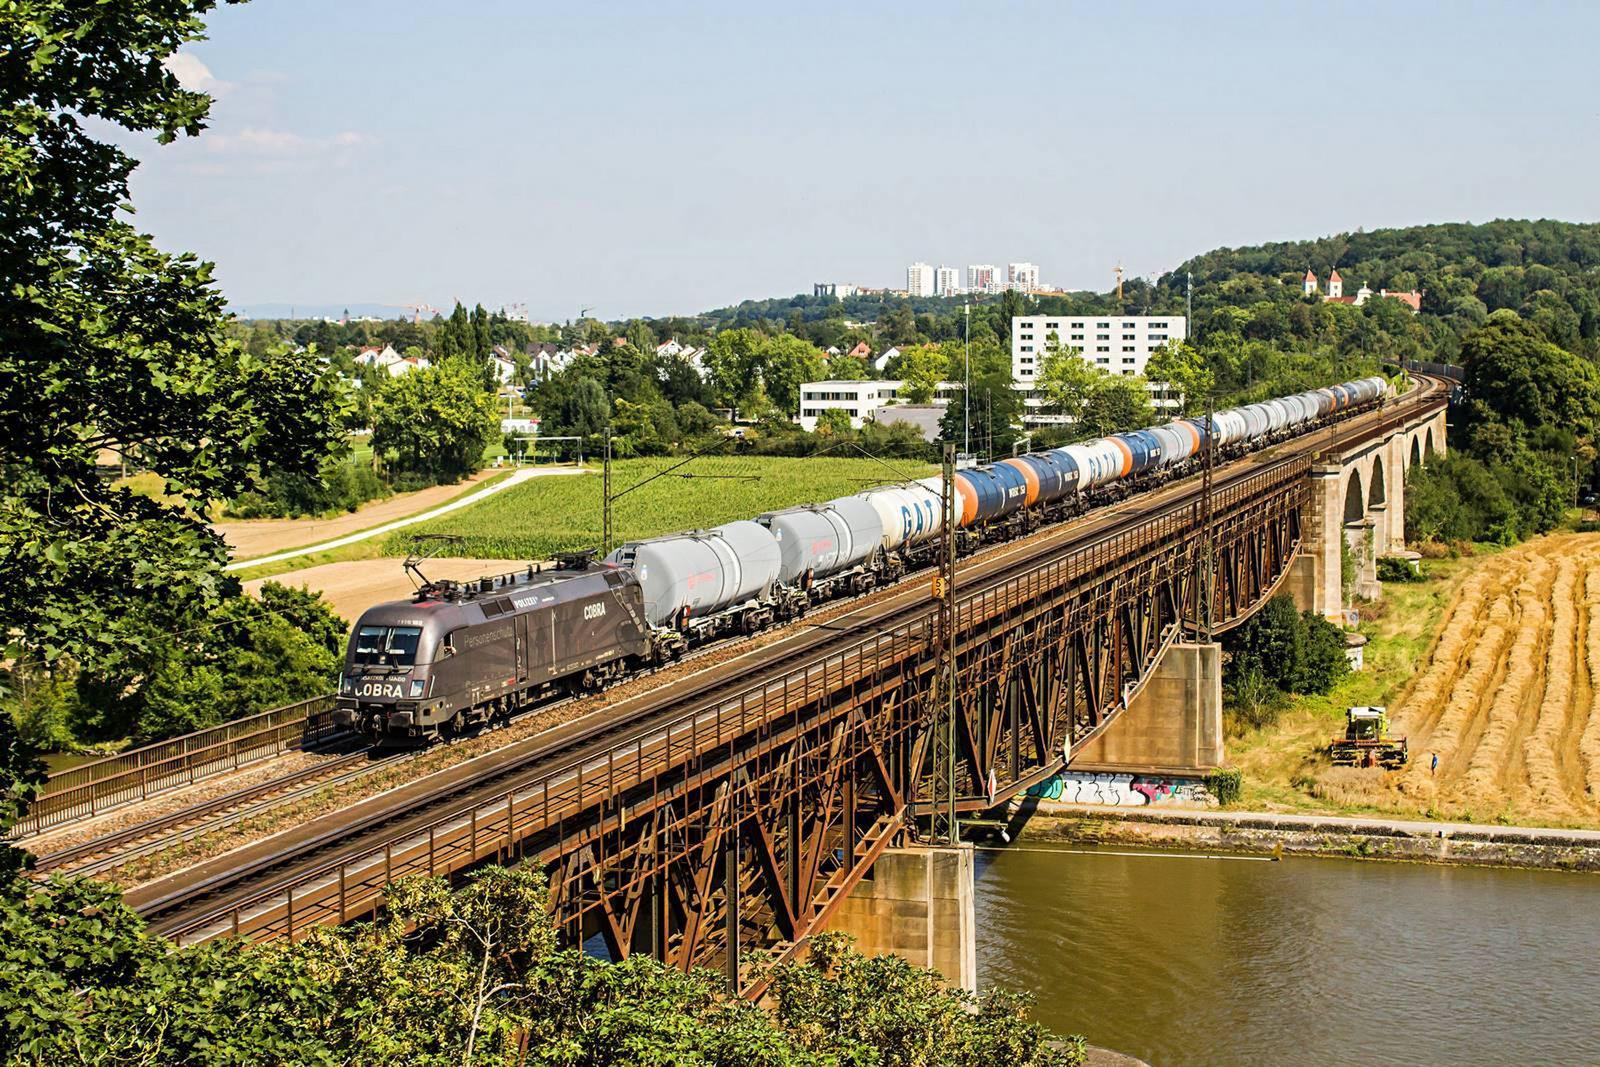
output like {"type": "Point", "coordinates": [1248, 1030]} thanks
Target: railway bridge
{"type": "Point", "coordinates": [743, 806]}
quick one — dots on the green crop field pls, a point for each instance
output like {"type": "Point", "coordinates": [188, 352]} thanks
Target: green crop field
{"type": "Point", "coordinates": [561, 513]}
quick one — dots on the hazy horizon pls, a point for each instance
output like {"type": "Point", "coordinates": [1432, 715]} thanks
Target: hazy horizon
{"type": "Point", "coordinates": [640, 161]}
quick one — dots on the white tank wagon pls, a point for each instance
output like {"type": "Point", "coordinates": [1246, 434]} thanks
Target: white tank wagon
{"type": "Point", "coordinates": [693, 581]}
{"type": "Point", "coordinates": [910, 512]}
{"type": "Point", "coordinates": [821, 546]}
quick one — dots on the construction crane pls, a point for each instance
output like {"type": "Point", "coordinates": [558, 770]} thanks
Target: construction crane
{"type": "Point", "coordinates": [416, 310]}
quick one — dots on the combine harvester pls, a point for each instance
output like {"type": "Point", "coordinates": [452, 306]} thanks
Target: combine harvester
{"type": "Point", "coordinates": [1366, 741]}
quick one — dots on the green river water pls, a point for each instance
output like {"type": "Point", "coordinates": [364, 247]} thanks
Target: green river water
{"type": "Point", "coordinates": [1192, 960]}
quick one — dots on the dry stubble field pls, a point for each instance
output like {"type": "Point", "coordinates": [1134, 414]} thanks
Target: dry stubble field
{"type": "Point", "coordinates": [1494, 665]}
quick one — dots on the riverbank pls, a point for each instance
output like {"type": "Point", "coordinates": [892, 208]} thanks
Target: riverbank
{"type": "Point", "coordinates": [1266, 833]}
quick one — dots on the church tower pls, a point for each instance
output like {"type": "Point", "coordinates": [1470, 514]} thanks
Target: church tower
{"type": "Point", "coordinates": [1335, 285]}
{"type": "Point", "coordinates": [1311, 283]}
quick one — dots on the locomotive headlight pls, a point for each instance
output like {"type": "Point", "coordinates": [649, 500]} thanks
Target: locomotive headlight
{"type": "Point", "coordinates": [417, 685]}
{"type": "Point", "coordinates": [347, 686]}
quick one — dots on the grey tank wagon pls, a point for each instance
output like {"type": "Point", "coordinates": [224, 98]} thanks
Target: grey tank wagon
{"type": "Point", "coordinates": [462, 654]}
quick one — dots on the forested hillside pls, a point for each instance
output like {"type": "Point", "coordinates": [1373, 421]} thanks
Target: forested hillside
{"type": "Point", "coordinates": [1546, 271]}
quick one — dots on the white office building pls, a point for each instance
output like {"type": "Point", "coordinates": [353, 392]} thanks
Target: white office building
{"type": "Point", "coordinates": [947, 281]}
{"type": "Point", "coordinates": [1023, 276]}
{"type": "Point", "coordinates": [1117, 344]}
{"type": "Point", "coordinates": [919, 280]}
{"type": "Point", "coordinates": [835, 289]}
{"type": "Point", "coordinates": [859, 399]}
{"type": "Point", "coordinates": [983, 278]}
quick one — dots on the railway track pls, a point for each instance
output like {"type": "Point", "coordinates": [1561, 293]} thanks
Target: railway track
{"type": "Point", "coordinates": [197, 903]}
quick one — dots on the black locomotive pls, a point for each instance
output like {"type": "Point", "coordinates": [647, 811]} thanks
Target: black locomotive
{"type": "Point", "coordinates": [461, 654]}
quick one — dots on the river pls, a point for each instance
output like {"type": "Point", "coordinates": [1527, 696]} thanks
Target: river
{"type": "Point", "coordinates": [1193, 960]}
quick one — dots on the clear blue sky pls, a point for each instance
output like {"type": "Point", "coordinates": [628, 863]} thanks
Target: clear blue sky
{"type": "Point", "coordinates": [659, 158]}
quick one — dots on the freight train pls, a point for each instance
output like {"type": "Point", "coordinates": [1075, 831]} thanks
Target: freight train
{"type": "Point", "coordinates": [459, 655]}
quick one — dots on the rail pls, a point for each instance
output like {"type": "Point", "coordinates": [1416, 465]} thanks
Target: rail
{"type": "Point", "coordinates": [101, 785]}
{"type": "Point", "coordinates": [735, 725]}
{"type": "Point", "coordinates": [93, 788]}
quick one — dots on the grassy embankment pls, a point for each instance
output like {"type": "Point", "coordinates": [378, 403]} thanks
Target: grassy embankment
{"type": "Point", "coordinates": [549, 515]}
{"type": "Point", "coordinates": [371, 548]}
{"type": "Point", "coordinates": [1492, 662]}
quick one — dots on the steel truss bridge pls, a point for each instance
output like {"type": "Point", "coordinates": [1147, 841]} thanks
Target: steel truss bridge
{"type": "Point", "coordinates": [734, 811]}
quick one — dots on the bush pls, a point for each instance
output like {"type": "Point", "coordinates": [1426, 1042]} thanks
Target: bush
{"type": "Point", "coordinates": [341, 485]}
{"type": "Point", "coordinates": [1253, 701]}
{"type": "Point", "coordinates": [1226, 784]}
{"type": "Point", "coordinates": [1291, 651]}
{"type": "Point", "coordinates": [1396, 569]}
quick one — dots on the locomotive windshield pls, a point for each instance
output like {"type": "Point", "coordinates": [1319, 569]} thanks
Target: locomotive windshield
{"type": "Point", "coordinates": [387, 646]}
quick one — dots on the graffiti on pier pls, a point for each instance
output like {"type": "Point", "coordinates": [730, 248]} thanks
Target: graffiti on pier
{"type": "Point", "coordinates": [1119, 790]}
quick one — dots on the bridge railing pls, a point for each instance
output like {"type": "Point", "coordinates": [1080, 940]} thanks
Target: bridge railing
{"type": "Point", "coordinates": [98, 786]}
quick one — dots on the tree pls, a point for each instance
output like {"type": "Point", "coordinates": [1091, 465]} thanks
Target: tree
{"type": "Point", "coordinates": [1066, 381]}
{"type": "Point", "coordinates": [109, 347]}
{"type": "Point", "coordinates": [433, 424]}
{"type": "Point", "coordinates": [848, 369]}
{"type": "Point", "coordinates": [923, 368]}
{"type": "Point", "coordinates": [788, 363]}
{"type": "Point", "coordinates": [585, 411]}
{"type": "Point", "coordinates": [733, 362]}
{"type": "Point", "coordinates": [1179, 365]}
{"type": "Point", "coordinates": [1119, 403]}
{"type": "Point", "coordinates": [1515, 373]}
{"type": "Point", "coordinates": [1285, 649]}
{"type": "Point", "coordinates": [833, 422]}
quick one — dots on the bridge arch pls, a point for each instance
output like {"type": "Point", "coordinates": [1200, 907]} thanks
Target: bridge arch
{"type": "Point", "coordinates": [1355, 498]}
{"type": "Point", "coordinates": [1416, 451]}
{"type": "Point", "coordinates": [1430, 448]}
{"type": "Point", "coordinates": [1377, 495]}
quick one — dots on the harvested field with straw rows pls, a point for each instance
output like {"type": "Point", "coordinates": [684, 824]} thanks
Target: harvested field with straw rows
{"type": "Point", "coordinates": [1493, 663]}
{"type": "Point", "coordinates": [1509, 697]}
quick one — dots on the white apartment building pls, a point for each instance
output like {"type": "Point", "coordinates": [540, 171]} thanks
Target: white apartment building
{"type": "Point", "coordinates": [858, 399]}
{"type": "Point", "coordinates": [919, 280]}
{"type": "Point", "coordinates": [947, 281]}
{"type": "Point", "coordinates": [1118, 344]}
{"type": "Point", "coordinates": [983, 278]}
{"type": "Point", "coordinates": [835, 289]}
{"type": "Point", "coordinates": [1023, 276]}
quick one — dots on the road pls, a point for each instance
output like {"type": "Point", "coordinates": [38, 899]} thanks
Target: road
{"type": "Point", "coordinates": [241, 535]}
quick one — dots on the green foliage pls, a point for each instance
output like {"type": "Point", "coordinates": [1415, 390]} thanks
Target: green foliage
{"type": "Point", "coordinates": [1185, 371]}
{"type": "Point", "coordinates": [341, 485]}
{"type": "Point", "coordinates": [544, 516]}
{"type": "Point", "coordinates": [110, 347]}
{"type": "Point", "coordinates": [1517, 377]}
{"type": "Point", "coordinates": [1252, 699]}
{"type": "Point", "coordinates": [899, 1015]}
{"type": "Point", "coordinates": [433, 424]}
{"type": "Point", "coordinates": [1541, 270]}
{"type": "Point", "coordinates": [1226, 784]}
{"type": "Point", "coordinates": [922, 367]}
{"type": "Point", "coordinates": [833, 422]}
{"type": "Point", "coordinates": [750, 369]}
{"type": "Point", "coordinates": [1396, 569]}
{"type": "Point", "coordinates": [245, 656]}
{"type": "Point", "coordinates": [21, 774]}
{"type": "Point", "coordinates": [1292, 651]}
{"type": "Point", "coordinates": [452, 978]}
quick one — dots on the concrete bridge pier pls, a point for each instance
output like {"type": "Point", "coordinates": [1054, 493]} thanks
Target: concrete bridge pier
{"type": "Point", "coordinates": [1362, 538]}
{"type": "Point", "coordinates": [1174, 724]}
{"type": "Point", "coordinates": [918, 904]}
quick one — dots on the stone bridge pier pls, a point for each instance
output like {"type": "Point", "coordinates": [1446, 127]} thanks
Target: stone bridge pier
{"type": "Point", "coordinates": [1358, 515]}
